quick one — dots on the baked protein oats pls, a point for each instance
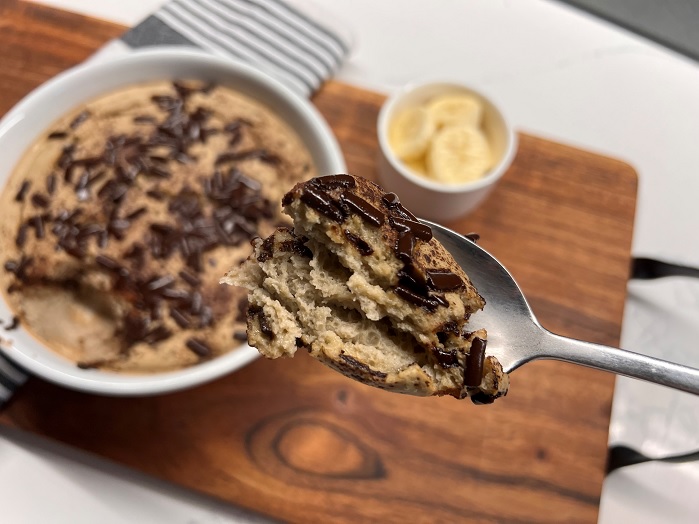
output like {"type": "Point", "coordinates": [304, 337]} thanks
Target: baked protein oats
{"type": "Point", "coordinates": [118, 223]}
{"type": "Point", "coordinates": [363, 286]}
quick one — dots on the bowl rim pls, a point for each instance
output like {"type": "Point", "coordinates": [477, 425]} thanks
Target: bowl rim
{"type": "Point", "coordinates": [490, 178]}
{"type": "Point", "coordinates": [120, 384]}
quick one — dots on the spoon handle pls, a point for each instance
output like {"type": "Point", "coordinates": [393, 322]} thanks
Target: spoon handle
{"type": "Point", "coordinates": [620, 361]}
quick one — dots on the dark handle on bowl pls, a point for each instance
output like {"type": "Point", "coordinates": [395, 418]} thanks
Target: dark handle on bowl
{"type": "Point", "coordinates": [11, 378]}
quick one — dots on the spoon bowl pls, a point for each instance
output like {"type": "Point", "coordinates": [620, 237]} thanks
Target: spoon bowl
{"type": "Point", "coordinates": [516, 337]}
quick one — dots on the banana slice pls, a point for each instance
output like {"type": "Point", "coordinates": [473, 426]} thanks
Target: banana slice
{"type": "Point", "coordinates": [456, 110]}
{"type": "Point", "coordinates": [417, 166]}
{"type": "Point", "coordinates": [410, 133]}
{"type": "Point", "coordinates": [458, 154]}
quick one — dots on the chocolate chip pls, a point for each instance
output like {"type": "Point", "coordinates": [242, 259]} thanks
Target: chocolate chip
{"type": "Point", "coordinates": [57, 135]}
{"type": "Point", "coordinates": [426, 302]}
{"type": "Point", "coordinates": [404, 246]}
{"type": "Point", "coordinates": [262, 320]}
{"type": "Point", "coordinates": [443, 280]}
{"type": "Point", "coordinates": [473, 374]}
{"type": "Point", "coordinates": [242, 336]}
{"type": "Point", "coordinates": [481, 398]}
{"type": "Point", "coordinates": [446, 358]}
{"type": "Point", "coordinates": [362, 246]}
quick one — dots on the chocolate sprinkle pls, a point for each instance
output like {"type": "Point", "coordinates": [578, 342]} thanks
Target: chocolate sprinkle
{"type": "Point", "coordinates": [23, 189]}
{"type": "Point", "coordinates": [180, 318]}
{"type": "Point", "coordinates": [56, 135]}
{"type": "Point", "coordinates": [198, 347]}
{"type": "Point", "coordinates": [40, 200]}
{"type": "Point", "coordinates": [192, 280]}
{"type": "Point", "coordinates": [84, 115]}
{"type": "Point", "coordinates": [21, 235]}
{"type": "Point", "coordinates": [51, 184]}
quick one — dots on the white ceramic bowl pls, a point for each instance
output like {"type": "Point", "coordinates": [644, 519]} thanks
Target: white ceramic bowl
{"type": "Point", "coordinates": [35, 113]}
{"type": "Point", "coordinates": [428, 198]}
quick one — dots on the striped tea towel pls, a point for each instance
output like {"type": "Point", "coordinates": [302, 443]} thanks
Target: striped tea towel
{"type": "Point", "coordinates": [290, 40]}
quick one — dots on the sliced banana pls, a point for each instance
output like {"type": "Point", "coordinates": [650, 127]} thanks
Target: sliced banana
{"type": "Point", "coordinates": [410, 133]}
{"type": "Point", "coordinates": [417, 165]}
{"type": "Point", "coordinates": [458, 154]}
{"type": "Point", "coordinates": [456, 110]}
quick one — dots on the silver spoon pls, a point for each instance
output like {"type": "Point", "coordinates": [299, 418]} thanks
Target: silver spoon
{"type": "Point", "coordinates": [515, 336]}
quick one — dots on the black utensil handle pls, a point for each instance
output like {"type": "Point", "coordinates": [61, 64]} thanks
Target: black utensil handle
{"type": "Point", "coordinates": [622, 456]}
{"type": "Point", "coordinates": [11, 378]}
{"type": "Point", "coordinates": [649, 268]}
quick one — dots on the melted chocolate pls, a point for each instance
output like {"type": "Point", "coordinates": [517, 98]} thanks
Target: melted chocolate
{"type": "Point", "coordinates": [473, 237]}
{"type": "Point", "coordinates": [446, 359]}
{"type": "Point", "coordinates": [323, 203]}
{"type": "Point", "coordinates": [364, 209]}
{"type": "Point", "coordinates": [404, 247]}
{"type": "Point", "coordinates": [333, 181]}
{"type": "Point", "coordinates": [473, 374]}
{"type": "Point", "coordinates": [426, 302]}
{"type": "Point", "coordinates": [421, 231]}
{"type": "Point", "coordinates": [391, 200]}
{"type": "Point", "coordinates": [266, 249]}
{"type": "Point", "coordinates": [362, 246]}
{"type": "Point", "coordinates": [263, 321]}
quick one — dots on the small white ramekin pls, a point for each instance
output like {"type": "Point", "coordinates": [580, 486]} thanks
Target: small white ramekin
{"type": "Point", "coordinates": [36, 112]}
{"type": "Point", "coordinates": [427, 198]}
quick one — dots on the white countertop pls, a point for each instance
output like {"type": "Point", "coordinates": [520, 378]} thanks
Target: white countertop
{"type": "Point", "coordinates": [561, 74]}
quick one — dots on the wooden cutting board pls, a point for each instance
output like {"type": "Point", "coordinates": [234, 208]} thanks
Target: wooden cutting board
{"type": "Point", "coordinates": [296, 441]}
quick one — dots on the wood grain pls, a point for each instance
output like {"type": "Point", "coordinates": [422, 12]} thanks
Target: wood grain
{"type": "Point", "coordinates": [295, 440]}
